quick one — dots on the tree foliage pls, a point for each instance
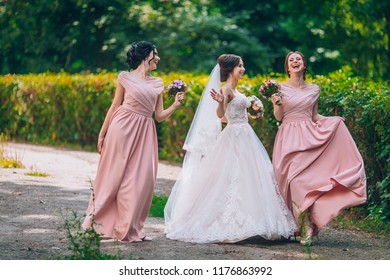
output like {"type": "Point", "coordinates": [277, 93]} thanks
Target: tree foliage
{"type": "Point", "coordinates": [93, 35]}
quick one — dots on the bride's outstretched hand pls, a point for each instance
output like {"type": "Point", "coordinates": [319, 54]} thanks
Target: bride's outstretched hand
{"type": "Point", "coordinates": [217, 96]}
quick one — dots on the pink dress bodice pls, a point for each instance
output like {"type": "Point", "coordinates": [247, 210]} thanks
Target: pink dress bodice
{"type": "Point", "coordinates": [298, 103]}
{"type": "Point", "coordinates": [140, 96]}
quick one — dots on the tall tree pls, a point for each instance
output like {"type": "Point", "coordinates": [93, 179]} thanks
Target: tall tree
{"type": "Point", "coordinates": [264, 21]}
{"type": "Point", "coordinates": [74, 35]}
{"type": "Point", "coordinates": [92, 35]}
{"type": "Point", "coordinates": [191, 34]}
{"type": "Point", "coordinates": [330, 33]}
{"type": "Point", "coordinates": [341, 32]}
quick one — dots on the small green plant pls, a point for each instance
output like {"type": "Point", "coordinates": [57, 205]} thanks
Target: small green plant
{"type": "Point", "coordinates": [11, 163]}
{"type": "Point", "coordinates": [84, 244]}
{"type": "Point", "coordinates": [304, 223]}
{"type": "Point", "coordinates": [7, 161]}
{"type": "Point", "coordinates": [158, 204]}
{"type": "Point", "coordinates": [35, 173]}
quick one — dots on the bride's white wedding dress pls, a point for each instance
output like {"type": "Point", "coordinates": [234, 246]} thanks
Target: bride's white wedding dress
{"type": "Point", "coordinates": [232, 194]}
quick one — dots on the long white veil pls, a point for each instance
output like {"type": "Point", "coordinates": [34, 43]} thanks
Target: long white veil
{"type": "Point", "coordinates": [206, 125]}
{"type": "Point", "coordinates": [203, 133]}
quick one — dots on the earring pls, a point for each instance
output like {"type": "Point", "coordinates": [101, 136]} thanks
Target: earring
{"type": "Point", "coordinates": [145, 62]}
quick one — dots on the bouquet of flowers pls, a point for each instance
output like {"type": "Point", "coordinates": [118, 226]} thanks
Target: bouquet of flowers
{"type": "Point", "coordinates": [256, 109]}
{"type": "Point", "coordinates": [270, 87]}
{"type": "Point", "coordinates": [175, 87]}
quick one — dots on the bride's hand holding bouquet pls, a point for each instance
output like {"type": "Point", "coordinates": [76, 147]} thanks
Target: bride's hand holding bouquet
{"type": "Point", "coordinates": [269, 89]}
{"type": "Point", "coordinates": [256, 109]}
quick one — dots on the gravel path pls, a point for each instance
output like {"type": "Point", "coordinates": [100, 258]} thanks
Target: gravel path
{"type": "Point", "coordinates": [32, 210]}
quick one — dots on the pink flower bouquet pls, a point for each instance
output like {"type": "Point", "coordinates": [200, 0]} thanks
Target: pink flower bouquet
{"type": "Point", "coordinates": [270, 87]}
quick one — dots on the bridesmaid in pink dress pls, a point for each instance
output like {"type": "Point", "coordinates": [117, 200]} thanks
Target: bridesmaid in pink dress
{"type": "Point", "coordinates": [126, 175]}
{"type": "Point", "coordinates": [317, 165]}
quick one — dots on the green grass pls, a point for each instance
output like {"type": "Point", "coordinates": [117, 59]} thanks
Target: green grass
{"type": "Point", "coordinates": [157, 208]}
{"type": "Point", "coordinates": [36, 174]}
{"type": "Point", "coordinates": [353, 219]}
{"type": "Point", "coordinates": [11, 163]}
{"type": "Point", "coordinates": [7, 161]}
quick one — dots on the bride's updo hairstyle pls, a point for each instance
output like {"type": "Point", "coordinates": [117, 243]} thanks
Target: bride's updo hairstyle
{"type": "Point", "coordinates": [227, 62]}
{"type": "Point", "coordinates": [138, 52]}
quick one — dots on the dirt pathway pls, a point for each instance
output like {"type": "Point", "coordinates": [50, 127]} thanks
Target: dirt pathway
{"type": "Point", "coordinates": [33, 208]}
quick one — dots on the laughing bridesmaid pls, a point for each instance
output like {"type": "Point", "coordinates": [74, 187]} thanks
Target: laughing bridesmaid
{"type": "Point", "coordinates": [317, 165]}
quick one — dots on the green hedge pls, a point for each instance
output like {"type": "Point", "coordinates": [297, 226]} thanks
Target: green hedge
{"type": "Point", "coordinates": [55, 108]}
{"type": "Point", "coordinates": [365, 105]}
{"type": "Point", "coordinates": [69, 109]}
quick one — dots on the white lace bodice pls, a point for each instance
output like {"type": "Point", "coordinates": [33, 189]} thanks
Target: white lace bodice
{"type": "Point", "coordinates": [236, 109]}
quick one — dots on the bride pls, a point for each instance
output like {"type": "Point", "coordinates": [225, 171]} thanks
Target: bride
{"type": "Point", "coordinates": [226, 191]}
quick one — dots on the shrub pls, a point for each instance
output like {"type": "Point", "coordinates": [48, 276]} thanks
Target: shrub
{"type": "Point", "coordinates": [70, 109]}
{"type": "Point", "coordinates": [83, 244]}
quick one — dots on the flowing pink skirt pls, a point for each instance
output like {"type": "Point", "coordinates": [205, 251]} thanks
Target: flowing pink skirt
{"type": "Point", "coordinates": [318, 167]}
{"type": "Point", "coordinates": [126, 175]}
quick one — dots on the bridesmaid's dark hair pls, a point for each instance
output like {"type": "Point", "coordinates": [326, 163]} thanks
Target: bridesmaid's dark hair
{"type": "Point", "coordinates": [138, 52]}
{"type": "Point", "coordinates": [227, 62]}
{"type": "Point", "coordinates": [304, 63]}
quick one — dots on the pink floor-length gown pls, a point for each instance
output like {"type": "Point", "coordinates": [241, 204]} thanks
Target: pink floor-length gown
{"type": "Point", "coordinates": [127, 170]}
{"type": "Point", "coordinates": [317, 165]}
